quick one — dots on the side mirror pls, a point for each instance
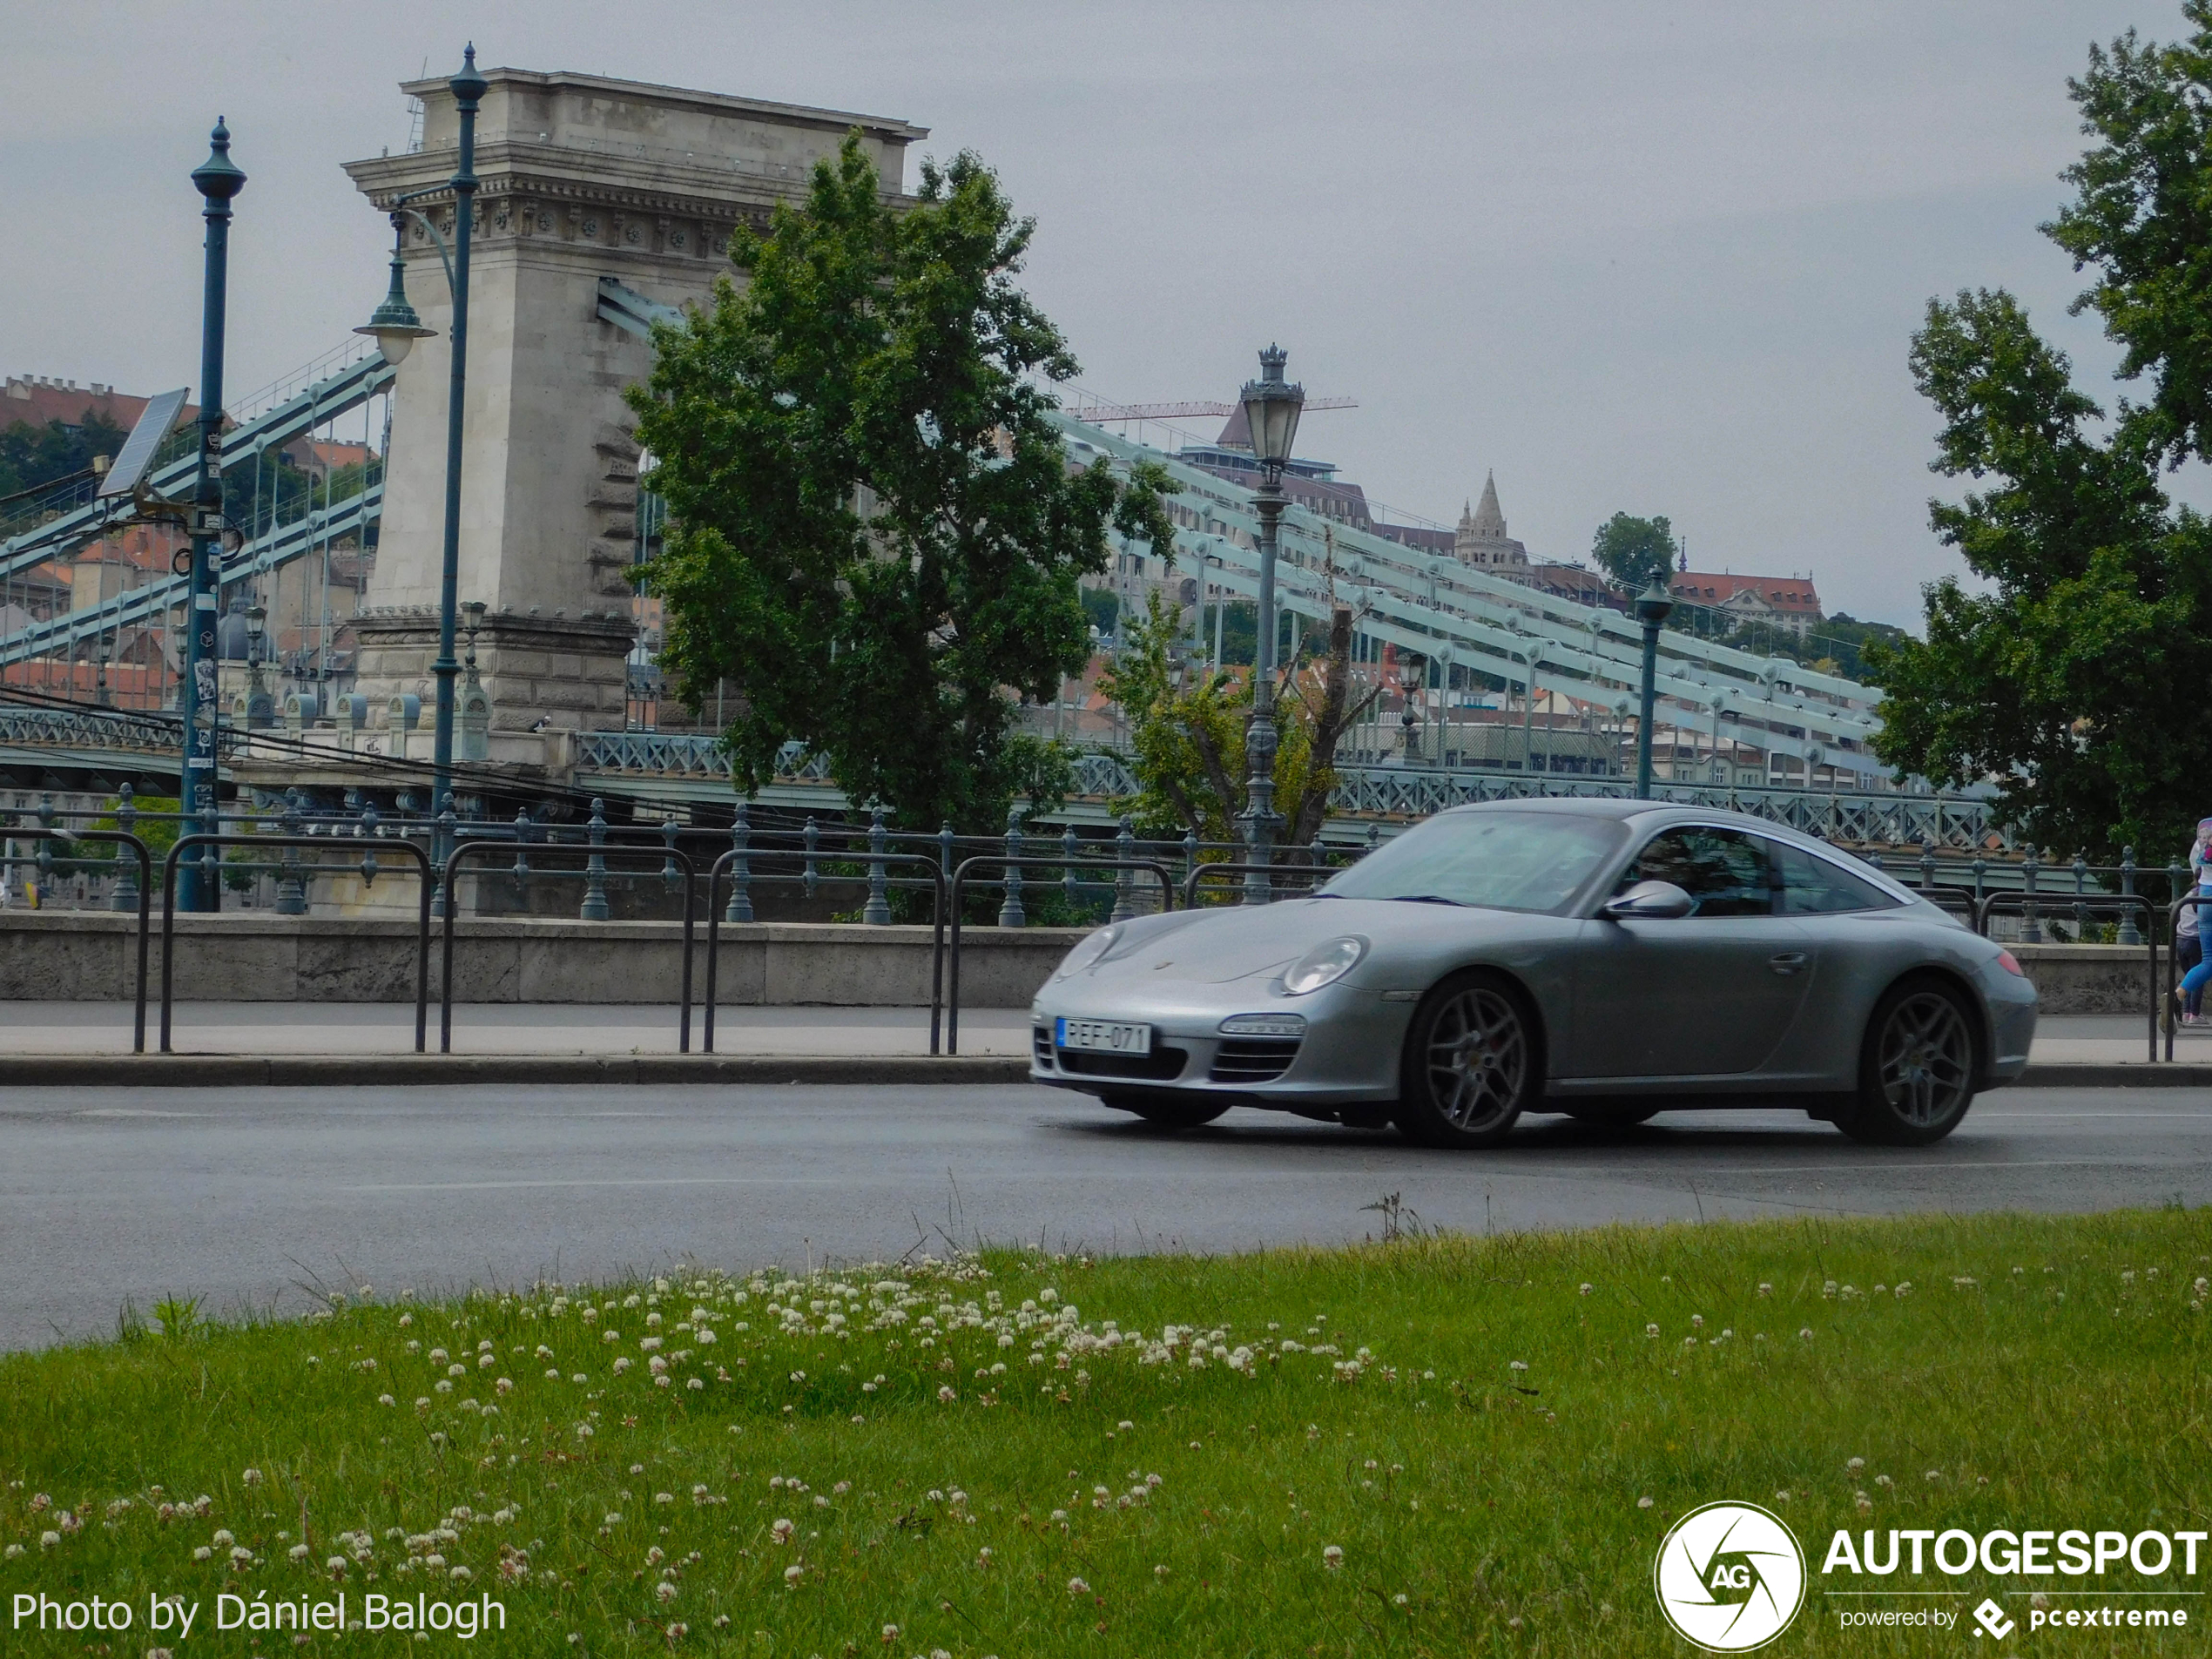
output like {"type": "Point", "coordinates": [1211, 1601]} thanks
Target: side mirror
{"type": "Point", "coordinates": [1649, 902]}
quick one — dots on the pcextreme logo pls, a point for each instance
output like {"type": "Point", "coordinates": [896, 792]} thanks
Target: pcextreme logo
{"type": "Point", "coordinates": [1729, 1577]}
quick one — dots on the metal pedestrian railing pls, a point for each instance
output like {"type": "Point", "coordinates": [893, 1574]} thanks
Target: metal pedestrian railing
{"type": "Point", "coordinates": [169, 916]}
{"type": "Point", "coordinates": [139, 896]}
{"type": "Point", "coordinates": [2131, 904]}
{"type": "Point", "coordinates": [878, 880]}
{"type": "Point", "coordinates": [960, 876]}
{"type": "Point", "coordinates": [676, 866]}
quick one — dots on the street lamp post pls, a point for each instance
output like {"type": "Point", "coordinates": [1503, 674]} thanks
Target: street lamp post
{"type": "Point", "coordinates": [396, 329]}
{"type": "Point", "coordinates": [1271, 409]}
{"type": "Point", "coordinates": [218, 180]}
{"type": "Point", "coordinates": [1653, 608]}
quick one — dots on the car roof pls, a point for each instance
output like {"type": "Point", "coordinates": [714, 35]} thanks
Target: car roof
{"type": "Point", "coordinates": [1660, 813]}
{"type": "Point", "coordinates": [1574, 805]}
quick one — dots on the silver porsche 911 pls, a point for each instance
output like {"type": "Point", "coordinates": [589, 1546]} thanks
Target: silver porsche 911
{"type": "Point", "coordinates": [1606, 959]}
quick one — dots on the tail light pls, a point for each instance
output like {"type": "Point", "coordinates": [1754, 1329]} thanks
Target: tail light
{"type": "Point", "coordinates": [2011, 964]}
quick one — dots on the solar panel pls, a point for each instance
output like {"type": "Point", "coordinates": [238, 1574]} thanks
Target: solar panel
{"type": "Point", "coordinates": [131, 463]}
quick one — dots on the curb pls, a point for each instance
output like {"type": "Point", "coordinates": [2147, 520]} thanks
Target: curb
{"type": "Point", "coordinates": [327, 1071]}
{"type": "Point", "coordinates": [2115, 1074]}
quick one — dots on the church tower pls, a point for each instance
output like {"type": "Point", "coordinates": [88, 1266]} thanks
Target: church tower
{"type": "Point", "coordinates": [1481, 540]}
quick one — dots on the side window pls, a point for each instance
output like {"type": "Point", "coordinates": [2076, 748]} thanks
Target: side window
{"type": "Point", "coordinates": [1813, 887]}
{"type": "Point", "coordinates": [1724, 871]}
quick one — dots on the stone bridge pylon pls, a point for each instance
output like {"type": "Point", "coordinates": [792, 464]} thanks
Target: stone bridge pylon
{"type": "Point", "coordinates": [581, 179]}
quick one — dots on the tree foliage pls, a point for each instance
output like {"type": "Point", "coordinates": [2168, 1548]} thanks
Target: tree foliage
{"type": "Point", "coordinates": [1187, 736]}
{"type": "Point", "coordinates": [2073, 672]}
{"type": "Point", "coordinates": [1635, 552]}
{"type": "Point", "coordinates": [34, 455]}
{"type": "Point", "coordinates": [874, 534]}
{"type": "Point", "coordinates": [2075, 679]}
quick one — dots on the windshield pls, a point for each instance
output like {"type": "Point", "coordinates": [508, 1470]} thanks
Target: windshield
{"type": "Point", "coordinates": [1498, 860]}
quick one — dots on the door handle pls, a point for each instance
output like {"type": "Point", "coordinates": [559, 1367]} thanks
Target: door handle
{"type": "Point", "coordinates": [1786, 962]}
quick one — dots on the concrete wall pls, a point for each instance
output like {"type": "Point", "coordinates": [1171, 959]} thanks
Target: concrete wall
{"type": "Point", "coordinates": [78, 956]}
{"type": "Point", "coordinates": [54, 955]}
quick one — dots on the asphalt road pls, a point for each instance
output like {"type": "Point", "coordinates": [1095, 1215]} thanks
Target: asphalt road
{"type": "Point", "coordinates": [245, 1198]}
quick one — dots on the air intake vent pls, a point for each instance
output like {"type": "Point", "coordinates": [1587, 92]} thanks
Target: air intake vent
{"type": "Point", "coordinates": [1162, 1065]}
{"type": "Point", "coordinates": [1253, 1060]}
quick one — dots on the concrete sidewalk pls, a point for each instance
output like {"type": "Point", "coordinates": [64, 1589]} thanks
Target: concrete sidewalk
{"type": "Point", "coordinates": [326, 1044]}
{"type": "Point", "coordinates": [546, 1029]}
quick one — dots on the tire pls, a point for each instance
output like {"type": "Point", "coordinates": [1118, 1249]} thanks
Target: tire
{"type": "Point", "coordinates": [1473, 1063]}
{"type": "Point", "coordinates": [1612, 1113]}
{"type": "Point", "coordinates": [1169, 1111]}
{"type": "Point", "coordinates": [1919, 1065]}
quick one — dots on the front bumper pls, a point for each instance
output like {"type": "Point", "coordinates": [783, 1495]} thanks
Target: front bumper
{"type": "Point", "coordinates": [2012, 1005]}
{"type": "Point", "coordinates": [1349, 1054]}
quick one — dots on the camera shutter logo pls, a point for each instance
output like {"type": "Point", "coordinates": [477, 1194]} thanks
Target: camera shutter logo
{"type": "Point", "coordinates": [1729, 1577]}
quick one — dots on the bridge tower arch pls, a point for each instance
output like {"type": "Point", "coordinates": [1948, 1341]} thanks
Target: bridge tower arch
{"type": "Point", "coordinates": [581, 177]}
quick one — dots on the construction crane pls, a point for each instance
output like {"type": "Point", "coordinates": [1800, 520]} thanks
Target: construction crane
{"type": "Point", "coordinates": [1108, 413]}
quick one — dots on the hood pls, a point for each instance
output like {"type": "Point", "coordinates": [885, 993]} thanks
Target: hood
{"type": "Point", "coordinates": [1212, 946]}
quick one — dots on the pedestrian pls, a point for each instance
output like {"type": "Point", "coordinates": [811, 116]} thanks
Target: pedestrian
{"type": "Point", "coordinates": [2189, 946]}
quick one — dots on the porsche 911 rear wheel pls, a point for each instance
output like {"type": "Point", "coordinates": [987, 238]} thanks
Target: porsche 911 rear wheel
{"type": "Point", "coordinates": [1918, 1067]}
{"type": "Point", "coordinates": [1169, 1111]}
{"type": "Point", "coordinates": [1472, 1064]}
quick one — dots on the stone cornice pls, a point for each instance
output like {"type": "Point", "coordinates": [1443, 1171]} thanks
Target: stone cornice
{"type": "Point", "coordinates": [555, 172]}
{"type": "Point", "coordinates": [883, 128]}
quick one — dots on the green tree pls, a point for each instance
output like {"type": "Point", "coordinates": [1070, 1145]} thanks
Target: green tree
{"type": "Point", "coordinates": [33, 456]}
{"type": "Point", "coordinates": [875, 536]}
{"type": "Point", "coordinates": [2076, 680]}
{"type": "Point", "coordinates": [2143, 217]}
{"type": "Point", "coordinates": [1635, 552]}
{"type": "Point", "coordinates": [1187, 736]}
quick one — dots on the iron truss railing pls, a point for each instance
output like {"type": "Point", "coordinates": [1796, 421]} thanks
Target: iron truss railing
{"type": "Point", "coordinates": [62, 634]}
{"type": "Point", "coordinates": [1451, 613]}
{"type": "Point", "coordinates": [242, 445]}
{"type": "Point", "coordinates": [1880, 820]}
{"type": "Point", "coordinates": [91, 729]}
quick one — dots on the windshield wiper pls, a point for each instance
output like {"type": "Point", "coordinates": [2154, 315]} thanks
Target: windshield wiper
{"type": "Point", "coordinates": [1427, 897]}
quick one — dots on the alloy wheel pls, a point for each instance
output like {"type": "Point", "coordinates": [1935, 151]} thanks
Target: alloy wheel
{"type": "Point", "coordinates": [1478, 1059]}
{"type": "Point", "coordinates": [1927, 1060]}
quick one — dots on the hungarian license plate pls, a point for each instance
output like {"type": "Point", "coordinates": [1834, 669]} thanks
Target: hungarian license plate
{"type": "Point", "coordinates": [1113, 1036]}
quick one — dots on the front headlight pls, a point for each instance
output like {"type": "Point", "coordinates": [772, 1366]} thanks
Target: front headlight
{"type": "Point", "coordinates": [1087, 950]}
{"type": "Point", "coordinates": [1324, 965]}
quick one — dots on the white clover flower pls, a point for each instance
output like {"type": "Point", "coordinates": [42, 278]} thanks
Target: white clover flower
{"type": "Point", "coordinates": [386, 1400]}
{"type": "Point", "coordinates": [1077, 1587]}
{"type": "Point", "coordinates": [665, 1592]}
{"type": "Point", "coordinates": [945, 1396]}
{"type": "Point", "coordinates": [224, 1538]}
{"type": "Point", "coordinates": [250, 1477]}
{"type": "Point", "coordinates": [1856, 1465]}
{"type": "Point", "coordinates": [793, 1574]}
{"type": "Point", "coordinates": [1806, 1334]}
{"type": "Point", "coordinates": [1332, 1555]}
{"type": "Point", "coordinates": [1651, 1329]}
{"type": "Point", "coordinates": [49, 1540]}
{"type": "Point", "coordinates": [298, 1552]}
{"type": "Point", "coordinates": [1643, 1503]}
{"type": "Point", "coordinates": [781, 1531]}
{"type": "Point", "coordinates": [200, 1554]}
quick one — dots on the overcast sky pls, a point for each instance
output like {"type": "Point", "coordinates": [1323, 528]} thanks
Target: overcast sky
{"type": "Point", "coordinates": [1658, 260]}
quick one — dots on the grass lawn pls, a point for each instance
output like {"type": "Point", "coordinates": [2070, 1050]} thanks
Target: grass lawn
{"type": "Point", "coordinates": [1428, 1446]}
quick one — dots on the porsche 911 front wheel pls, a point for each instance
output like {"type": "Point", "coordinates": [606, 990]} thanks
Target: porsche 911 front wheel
{"type": "Point", "coordinates": [1473, 1063]}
